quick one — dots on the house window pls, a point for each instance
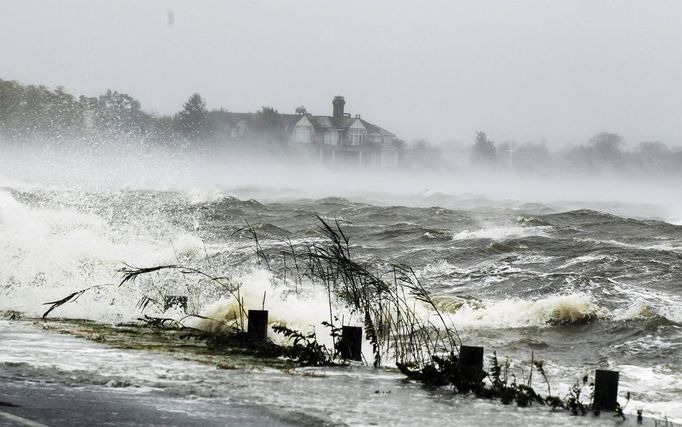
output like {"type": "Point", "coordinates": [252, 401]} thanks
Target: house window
{"type": "Point", "coordinates": [356, 136]}
{"type": "Point", "coordinates": [303, 134]}
{"type": "Point", "coordinates": [331, 137]}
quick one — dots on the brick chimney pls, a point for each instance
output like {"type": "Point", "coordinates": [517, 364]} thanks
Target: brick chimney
{"type": "Point", "coordinates": [338, 104]}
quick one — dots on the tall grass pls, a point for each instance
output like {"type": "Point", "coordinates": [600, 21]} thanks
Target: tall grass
{"type": "Point", "coordinates": [385, 296]}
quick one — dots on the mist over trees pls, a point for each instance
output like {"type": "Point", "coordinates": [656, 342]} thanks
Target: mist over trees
{"type": "Point", "coordinates": [191, 121]}
{"type": "Point", "coordinates": [421, 154]}
{"type": "Point", "coordinates": [115, 114]}
{"type": "Point", "coordinates": [604, 154]}
{"type": "Point", "coordinates": [37, 113]}
{"type": "Point", "coordinates": [34, 114]}
{"type": "Point", "coordinates": [269, 128]}
{"type": "Point", "coordinates": [483, 153]}
{"type": "Point", "coordinates": [529, 158]}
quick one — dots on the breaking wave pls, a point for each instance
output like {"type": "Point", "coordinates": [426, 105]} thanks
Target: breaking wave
{"type": "Point", "coordinates": [555, 310]}
{"type": "Point", "coordinates": [503, 233]}
{"type": "Point", "coordinates": [519, 313]}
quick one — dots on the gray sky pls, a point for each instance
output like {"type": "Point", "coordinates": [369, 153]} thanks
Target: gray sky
{"type": "Point", "coordinates": [523, 70]}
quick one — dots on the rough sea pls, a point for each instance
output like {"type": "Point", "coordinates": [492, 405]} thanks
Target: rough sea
{"type": "Point", "coordinates": [580, 285]}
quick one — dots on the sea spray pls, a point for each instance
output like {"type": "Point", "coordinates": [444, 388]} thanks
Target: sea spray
{"type": "Point", "coordinates": [47, 253]}
{"type": "Point", "coordinates": [303, 311]}
{"type": "Point", "coordinates": [158, 227]}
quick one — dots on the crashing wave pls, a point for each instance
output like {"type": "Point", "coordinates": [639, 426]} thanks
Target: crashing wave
{"type": "Point", "coordinates": [519, 313]}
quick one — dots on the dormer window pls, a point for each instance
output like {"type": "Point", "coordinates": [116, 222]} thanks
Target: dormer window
{"type": "Point", "coordinates": [303, 134]}
{"type": "Point", "coordinates": [356, 136]}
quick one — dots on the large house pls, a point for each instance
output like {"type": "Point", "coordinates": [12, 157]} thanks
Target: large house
{"type": "Point", "coordinates": [339, 138]}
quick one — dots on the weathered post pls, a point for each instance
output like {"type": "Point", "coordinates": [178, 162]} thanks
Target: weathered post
{"type": "Point", "coordinates": [350, 345]}
{"type": "Point", "coordinates": [470, 357]}
{"type": "Point", "coordinates": [605, 390]}
{"type": "Point", "coordinates": [258, 325]}
{"type": "Point", "coordinates": [170, 301]}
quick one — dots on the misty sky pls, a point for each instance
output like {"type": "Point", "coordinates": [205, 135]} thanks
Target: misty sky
{"type": "Point", "coordinates": [522, 70]}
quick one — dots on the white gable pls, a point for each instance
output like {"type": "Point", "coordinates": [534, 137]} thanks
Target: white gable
{"type": "Point", "coordinates": [304, 122]}
{"type": "Point", "coordinates": [304, 132]}
{"type": "Point", "coordinates": [357, 124]}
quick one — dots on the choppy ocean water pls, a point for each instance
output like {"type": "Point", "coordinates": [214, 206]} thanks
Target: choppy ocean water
{"type": "Point", "coordinates": [580, 288]}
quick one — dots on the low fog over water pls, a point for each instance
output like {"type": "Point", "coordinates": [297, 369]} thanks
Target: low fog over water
{"type": "Point", "coordinates": [631, 183]}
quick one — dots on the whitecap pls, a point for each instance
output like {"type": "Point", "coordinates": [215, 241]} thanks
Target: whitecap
{"type": "Point", "coordinates": [520, 313]}
{"type": "Point", "coordinates": [209, 195]}
{"type": "Point", "coordinates": [502, 233]}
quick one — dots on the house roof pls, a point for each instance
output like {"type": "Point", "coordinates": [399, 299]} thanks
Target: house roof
{"type": "Point", "coordinates": [371, 128]}
{"type": "Point", "coordinates": [343, 123]}
{"type": "Point", "coordinates": [289, 121]}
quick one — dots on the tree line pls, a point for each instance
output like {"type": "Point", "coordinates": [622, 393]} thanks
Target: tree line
{"type": "Point", "coordinates": [39, 113]}
{"type": "Point", "coordinates": [605, 153]}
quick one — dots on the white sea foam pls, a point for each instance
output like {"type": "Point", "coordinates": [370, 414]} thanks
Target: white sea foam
{"type": "Point", "coordinates": [519, 313]}
{"type": "Point", "coordinates": [661, 383]}
{"type": "Point", "coordinates": [647, 303]}
{"type": "Point", "coordinates": [442, 267]}
{"type": "Point", "coordinates": [500, 233]}
{"type": "Point", "coordinates": [199, 195]}
{"type": "Point", "coordinates": [304, 310]}
{"type": "Point", "coordinates": [48, 253]}
{"type": "Point", "coordinates": [546, 312]}
{"type": "Point", "coordinates": [669, 247]}
{"type": "Point", "coordinates": [639, 309]}
{"type": "Point", "coordinates": [584, 259]}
